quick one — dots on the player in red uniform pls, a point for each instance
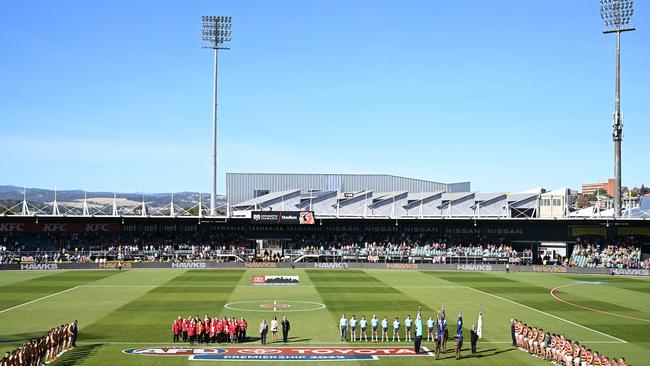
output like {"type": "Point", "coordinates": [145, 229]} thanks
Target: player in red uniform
{"type": "Point", "coordinates": [596, 361]}
{"type": "Point", "coordinates": [604, 360]}
{"type": "Point", "coordinates": [532, 341]}
{"type": "Point", "coordinates": [541, 342]}
{"type": "Point", "coordinates": [568, 353]}
{"type": "Point", "coordinates": [577, 353]}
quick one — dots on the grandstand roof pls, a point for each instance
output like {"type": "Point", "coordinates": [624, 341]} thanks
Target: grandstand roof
{"type": "Point", "coordinates": [261, 200]}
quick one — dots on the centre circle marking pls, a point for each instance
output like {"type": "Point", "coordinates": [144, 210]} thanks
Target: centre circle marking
{"type": "Point", "coordinates": [268, 305]}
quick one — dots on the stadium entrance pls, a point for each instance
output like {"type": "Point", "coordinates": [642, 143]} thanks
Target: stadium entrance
{"type": "Point", "coordinates": [270, 250]}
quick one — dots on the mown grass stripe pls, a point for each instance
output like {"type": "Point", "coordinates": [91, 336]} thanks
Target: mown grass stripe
{"type": "Point", "coordinates": [525, 295]}
{"type": "Point", "coordinates": [373, 296]}
{"type": "Point", "coordinates": [148, 317]}
{"type": "Point", "coordinates": [33, 289]}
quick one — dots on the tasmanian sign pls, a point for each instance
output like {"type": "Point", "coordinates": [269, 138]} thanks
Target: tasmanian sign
{"type": "Point", "coordinates": [280, 354]}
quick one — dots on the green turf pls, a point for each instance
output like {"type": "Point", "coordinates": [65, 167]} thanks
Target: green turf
{"type": "Point", "coordinates": [119, 310]}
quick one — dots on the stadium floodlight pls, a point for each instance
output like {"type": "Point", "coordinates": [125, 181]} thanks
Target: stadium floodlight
{"type": "Point", "coordinates": [616, 16]}
{"type": "Point", "coordinates": [215, 32]}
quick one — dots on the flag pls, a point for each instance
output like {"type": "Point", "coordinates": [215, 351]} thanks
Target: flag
{"type": "Point", "coordinates": [459, 330]}
{"type": "Point", "coordinates": [479, 328]}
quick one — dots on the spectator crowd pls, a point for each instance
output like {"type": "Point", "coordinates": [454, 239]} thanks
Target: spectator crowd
{"type": "Point", "coordinates": [607, 256]}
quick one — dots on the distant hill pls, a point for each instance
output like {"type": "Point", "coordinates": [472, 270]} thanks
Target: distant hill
{"type": "Point", "coordinates": [10, 193]}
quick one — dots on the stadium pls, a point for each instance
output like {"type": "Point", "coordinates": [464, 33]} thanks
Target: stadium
{"type": "Point", "coordinates": [320, 267]}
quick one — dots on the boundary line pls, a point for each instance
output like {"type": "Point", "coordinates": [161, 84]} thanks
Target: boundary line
{"type": "Point", "coordinates": [300, 344]}
{"type": "Point", "coordinates": [548, 314]}
{"type": "Point", "coordinates": [39, 299]}
{"type": "Point", "coordinates": [557, 297]}
{"type": "Point", "coordinates": [249, 286]}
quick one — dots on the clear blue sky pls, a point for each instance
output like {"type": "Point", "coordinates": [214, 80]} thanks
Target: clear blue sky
{"type": "Point", "coordinates": [508, 95]}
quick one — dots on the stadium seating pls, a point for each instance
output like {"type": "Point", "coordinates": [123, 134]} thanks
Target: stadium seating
{"type": "Point", "coordinates": [606, 256]}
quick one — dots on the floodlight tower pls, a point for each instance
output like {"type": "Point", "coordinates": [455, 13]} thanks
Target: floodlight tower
{"type": "Point", "coordinates": [617, 15]}
{"type": "Point", "coordinates": [215, 32]}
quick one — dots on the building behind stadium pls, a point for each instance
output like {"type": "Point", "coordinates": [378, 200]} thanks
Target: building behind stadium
{"type": "Point", "coordinates": [380, 195]}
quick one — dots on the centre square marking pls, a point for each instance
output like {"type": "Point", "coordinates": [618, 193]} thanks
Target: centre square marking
{"type": "Point", "coordinates": [275, 305]}
{"type": "Point", "coordinates": [282, 354]}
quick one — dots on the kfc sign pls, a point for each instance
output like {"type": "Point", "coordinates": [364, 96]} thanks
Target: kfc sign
{"type": "Point", "coordinates": [57, 227]}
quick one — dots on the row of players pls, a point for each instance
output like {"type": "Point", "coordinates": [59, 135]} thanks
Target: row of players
{"type": "Point", "coordinates": [557, 348]}
{"type": "Point", "coordinates": [37, 352]}
{"type": "Point", "coordinates": [434, 326]}
{"type": "Point", "coordinates": [437, 331]}
{"type": "Point", "coordinates": [209, 330]}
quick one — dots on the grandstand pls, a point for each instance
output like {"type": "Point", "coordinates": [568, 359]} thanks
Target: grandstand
{"type": "Point", "coordinates": [364, 195]}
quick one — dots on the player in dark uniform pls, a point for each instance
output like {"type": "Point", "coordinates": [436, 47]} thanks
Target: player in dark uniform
{"type": "Point", "coordinates": [445, 330]}
{"type": "Point", "coordinates": [459, 334]}
{"type": "Point", "coordinates": [439, 335]}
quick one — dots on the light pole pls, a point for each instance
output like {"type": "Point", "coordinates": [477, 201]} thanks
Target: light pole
{"type": "Point", "coordinates": [215, 32]}
{"type": "Point", "coordinates": [616, 15]}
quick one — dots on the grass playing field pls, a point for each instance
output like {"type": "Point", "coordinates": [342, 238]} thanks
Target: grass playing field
{"type": "Point", "coordinates": [134, 309]}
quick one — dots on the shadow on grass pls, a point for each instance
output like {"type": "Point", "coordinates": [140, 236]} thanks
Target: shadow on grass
{"type": "Point", "coordinates": [483, 353]}
{"type": "Point", "coordinates": [78, 355]}
{"type": "Point", "coordinates": [22, 337]}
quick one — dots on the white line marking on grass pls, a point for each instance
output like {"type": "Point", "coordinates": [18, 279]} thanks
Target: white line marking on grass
{"type": "Point", "coordinates": [556, 297]}
{"type": "Point", "coordinates": [39, 299]}
{"type": "Point", "coordinates": [297, 344]}
{"type": "Point", "coordinates": [249, 286]}
{"type": "Point", "coordinates": [315, 305]}
{"type": "Point", "coordinates": [548, 314]}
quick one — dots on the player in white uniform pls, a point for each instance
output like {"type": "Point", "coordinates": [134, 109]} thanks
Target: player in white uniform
{"type": "Point", "coordinates": [353, 328]}
{"type": "Point", "coordinates": [396, 326]}
{"type": "Point", "coordinates": [384, 329]}
{"type": "Point", "coordinates": [408, 324]}
{"type": "Point", "coordinates": [343, 327]}
{"type": "Point", "coordinates": [374, 323]}
{"type": "Point", "coordinates": [363, 323]}
{"type": "Point", "coordinates": [431, 328]}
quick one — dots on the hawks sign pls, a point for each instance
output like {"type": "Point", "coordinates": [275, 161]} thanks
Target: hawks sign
{"type": "Point", "coordinates": [279, 354]}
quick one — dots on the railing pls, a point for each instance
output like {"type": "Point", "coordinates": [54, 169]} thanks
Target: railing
{"type": "Point", "coordinates": [92, 255]}
{"type": "Point", "coordinates": [391, 256]}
